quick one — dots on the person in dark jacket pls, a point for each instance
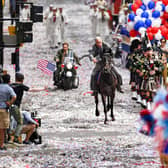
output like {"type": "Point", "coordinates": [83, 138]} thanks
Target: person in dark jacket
{"type": "Point", "coordinates": [100, 49]}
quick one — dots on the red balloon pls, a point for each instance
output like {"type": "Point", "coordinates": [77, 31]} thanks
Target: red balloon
{"type": "Point", "coordinates": [138, 2]}
{"type": "Point", "coordinates": [165, 15]}
{"type": "Point", "coordinates": [166, 37]}
{"type": "Point", "coordinates": [150, 36]}
{"type": "Point", "coordinates": [134, 7]}
{"type": "Point", "coordinates": [154, 30]}
{"type": "Point", "coordinates": [164, 30]}
{"type": "Point", "coordinates": [149, 30]}
{"type": "Point", "coordinates": [165, 2]}
{"type": "Point", "coordinates": [133, 33]}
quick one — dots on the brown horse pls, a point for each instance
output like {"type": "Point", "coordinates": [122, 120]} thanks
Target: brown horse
{"type": "Point", "coordinates": [106, 85]}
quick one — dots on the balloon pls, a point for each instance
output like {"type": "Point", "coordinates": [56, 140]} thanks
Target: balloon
{"type": "Point", "coordinates": [139, 24]}
{"type": "Point", "coordinates": [148, 22]}
{"type": "Point", "coordinates": [138, 2]}
{"type": "Point", "coordinates": [151, 4]}
{"type": "Point", "coordinates": [158, 36]}
{"type": "Point", "coordinates": [133, 33]}
{"type": "Point", "coordinates": [154, 30]}
{"type": "Point", "coordinates": [142, 30]}
{"type": "Point", "coordinates": [139, 12]}
{"type": "Point", "coordinates": [165, 2]}
{"type": "Point", "coordinates": [163, 7]}
{"type": "Point", "coordinates": [149, 12]}
{"type": "Point", "coordinates": [145, 15]}
{"type": "Point", "coordinates": [131, 16]}
{"type": "Point", "coordinates": [150, 36]}
{"type": "Point", "coordinates": [134, 7]}
{"type": "Point", "coordinates": [155, 14]}
{"type": "Point", "coordinates": [137, 18]}
{"type": "Point", "coordinates": [146, 2]}
{"type": "Point", "coordinates": [143, 7]}
{"type": "Point", "coordinates": [166, 8]}
{"type": "Point", "coordinates": [130, 6]}
{"type": "Point", "coordinates": [158, 8]}
{"type": "Point", "coordinates": [130, 26]}
{"type": "Point", "coordinates": [149, 30]}
{"type": "Point", "coordinates": [156, 22]}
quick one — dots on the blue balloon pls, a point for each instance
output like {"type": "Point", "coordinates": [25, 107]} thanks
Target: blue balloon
{"type": "Point", "coordinates": [148, 23]}
{"type": "Point", "coordinates": [143, 7]}
{"type": "Point", "coordinates": [139, 24]}
{"type": "Point", "coordinates": [145, 14]}
{"type": "Point", "coordinates": [155, 14]}
{"type": "Point", "coordinates": [131, 16]}
{"type": "Point", "coordinates": [163, 7]}
{"type": "Point", "coordinates": [151, 5]}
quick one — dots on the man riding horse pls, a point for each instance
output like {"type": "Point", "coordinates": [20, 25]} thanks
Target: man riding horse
{"type": "Point", "coordinates": [99, 50]}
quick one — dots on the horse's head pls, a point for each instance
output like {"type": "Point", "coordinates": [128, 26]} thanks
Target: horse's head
{"type": "Point", "coordinates": [107, 60]}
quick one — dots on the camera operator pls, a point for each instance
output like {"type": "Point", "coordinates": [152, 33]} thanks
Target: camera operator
{"type": "Point", "coordinates": [7, 97]}
{"type": "Point", "coordinates": [28, 127]}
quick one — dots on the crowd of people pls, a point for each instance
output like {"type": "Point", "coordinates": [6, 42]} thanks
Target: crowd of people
{"type": "Point", "coordinates": [55, 21]}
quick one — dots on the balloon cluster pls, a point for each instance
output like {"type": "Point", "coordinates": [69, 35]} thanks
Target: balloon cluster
{"type": "Point", "coordinates": [148, 16]}
{"type": "Point", "coordinates": [155, 122]}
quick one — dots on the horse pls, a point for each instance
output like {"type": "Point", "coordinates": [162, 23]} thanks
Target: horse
{"type": "Point", "coordinates": [106, 84]}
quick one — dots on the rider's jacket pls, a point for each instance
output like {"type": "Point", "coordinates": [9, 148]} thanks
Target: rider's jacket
{"type": "Point", "coordinates": [100, 52]}
{"type": "Point", "coordinates": [70, 55]}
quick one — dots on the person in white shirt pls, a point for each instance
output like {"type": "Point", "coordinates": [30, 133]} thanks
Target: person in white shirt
{"type": "Point", "coordinates": [93, 18]}
{"type": "Point", "coordinates": [46, 20]}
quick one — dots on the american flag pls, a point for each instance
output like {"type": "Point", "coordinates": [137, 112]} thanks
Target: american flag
{"type": "Point", "coordinates": [47, 67]}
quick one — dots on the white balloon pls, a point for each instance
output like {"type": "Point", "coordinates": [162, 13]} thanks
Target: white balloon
{"type": "Point", "coordinates": [142, 30]}
{"type": "Point", "coordinates": [130, 26]}
{"type": "Point", "coordinates": [158, 8]}
{"type": "Point", "coordinates": [158, 36]}
{"type": "Point", "coordinates": [139, 12]}
{"type": "Point", "coordinates": [159, 3]}
{"type": "Point", "coordinates": [137, 18]}
{"type": "Point", "coordinates": [146, 2]}
{"type": "Point", "coordinates": [156, 22]}
{"type": "Point", "coordinates": [166, 8]}
{"type": "Point", "coordinates": [149, 12]}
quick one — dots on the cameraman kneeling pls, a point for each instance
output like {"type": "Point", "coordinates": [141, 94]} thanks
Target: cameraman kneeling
{"type": "Point", "coordinates": [28, 127]}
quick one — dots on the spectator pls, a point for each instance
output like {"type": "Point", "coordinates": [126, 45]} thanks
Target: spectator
{"type": "Point", "coordinates": [7, 97]}
{"type": "Point", "coordinates": [19, 89]}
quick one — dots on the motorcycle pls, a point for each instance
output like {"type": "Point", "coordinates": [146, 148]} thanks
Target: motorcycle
{"type": "Point", "coordinates": [68, 76]}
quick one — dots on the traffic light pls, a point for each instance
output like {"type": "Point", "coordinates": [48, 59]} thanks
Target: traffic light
{"type": "Point", "coordinates": [24, 32]}
{"type": "Point", "coordinates": [13, 59]}
{"type": "Point", "coordinates": [36, 13]}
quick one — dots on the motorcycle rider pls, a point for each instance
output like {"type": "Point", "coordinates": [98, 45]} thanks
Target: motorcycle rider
{"type": "Point", "coordinates": [98, 50]}
{"type": "Point", "coordinates": [62, 54]}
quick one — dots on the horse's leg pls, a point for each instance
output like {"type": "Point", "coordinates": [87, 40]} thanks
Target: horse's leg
{"type": "Point", "coordinates": [108, 103]}
{"type": "Point", "coordinates": [105, 108]}
{"type": "Point", "coordinates": [112, 101]}
{"type": "Point", "coordinates": [96, 102]}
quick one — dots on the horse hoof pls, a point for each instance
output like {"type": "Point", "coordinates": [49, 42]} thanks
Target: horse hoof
{"type": "Point", "coordinates": [97, 114]}
{"type": "Point", "coordinates": [113, 119]}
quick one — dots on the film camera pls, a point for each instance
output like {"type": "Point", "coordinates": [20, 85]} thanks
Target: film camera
{"type": "Point", "coordinates": [35, 137]}
{"type": "Point", "coordinates": [35, 118]}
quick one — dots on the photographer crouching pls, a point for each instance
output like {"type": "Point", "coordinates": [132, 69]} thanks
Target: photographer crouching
{"type": "Point", "coordinates": [29, 127]}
